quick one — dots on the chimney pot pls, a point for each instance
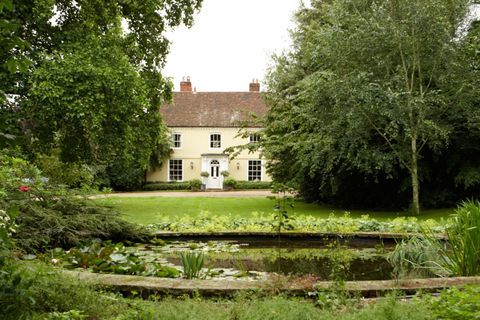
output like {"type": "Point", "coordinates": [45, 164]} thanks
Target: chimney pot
{"type": "Point", "coordinates": [254, 86]}
{"type": "Point", "coordinates": [186, 86]}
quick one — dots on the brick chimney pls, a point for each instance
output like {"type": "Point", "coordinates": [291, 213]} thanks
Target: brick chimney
{"type": "Point", "coordinates": [185, 86]}
{"type": "Point", "coordinates": [254, 86]}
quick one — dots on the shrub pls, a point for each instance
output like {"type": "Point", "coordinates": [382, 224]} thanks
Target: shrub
{"type": "Point", "coordinates": [195, 184]}
{"type": "Point", "coordinates": [253, 185]}
{"type": "Point", "coordinates": [205, 174]}
{"type": "Point", "coordinates": [230, 183]}
{"type": "Point", "coordinates": [73, 175]}
{"type": "Point", "coordinates": [225, 173]}
{"type": "Point", "coordinates": [457, 303]}
{"type": "Point", "coordinates": [52, 216]}
{"type": "Point", "coordinates": [65, 221]}
{"type": "Point", "coordinates": [167, 186]}
{"type": "Point", "coordinates": [38, 292]}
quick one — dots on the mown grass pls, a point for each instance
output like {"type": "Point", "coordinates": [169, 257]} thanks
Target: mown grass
{"type": "Point", "coordinates": [146, 210]}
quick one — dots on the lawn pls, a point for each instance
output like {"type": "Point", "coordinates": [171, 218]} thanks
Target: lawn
{"type": "Point", "coordinates": [152, 209]}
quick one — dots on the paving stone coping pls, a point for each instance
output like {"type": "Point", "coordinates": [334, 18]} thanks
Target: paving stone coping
{"type": "Point", "coordinates": [288, 235]}
{"type": "Point", "coordinates": [361, 239]}
{"type": "Point", "coordinates": [148, 285]}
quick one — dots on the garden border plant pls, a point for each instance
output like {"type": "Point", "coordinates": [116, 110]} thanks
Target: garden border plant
{"type": "Point", "coordinates": [459, 256]}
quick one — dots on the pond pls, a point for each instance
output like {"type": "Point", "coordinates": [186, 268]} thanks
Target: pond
{"type": "Point", "coordinates": [232, 259]}
{"type": "Point", "coordinates": [246, 259]}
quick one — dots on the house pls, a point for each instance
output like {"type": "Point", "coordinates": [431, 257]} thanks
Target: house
{"type": "Point", "coordinates": [202, 126]}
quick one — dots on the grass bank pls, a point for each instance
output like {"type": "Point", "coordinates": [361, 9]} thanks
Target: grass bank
{"type": "Point", "coordinates": [148, 210]}
{"type": "Point", "coordinates": [41, 293]}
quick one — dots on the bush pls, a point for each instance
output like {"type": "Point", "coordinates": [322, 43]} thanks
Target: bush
{"type": "Point", "coordinates": [195, 184]}
{"type": "Point", "coordinates": [33, 291]}
{"type": "Point", "coordinates": [52, 216]}
{"type": "Point", "coordinates": [230, 183]}
{"type": "Point", "coordinates": [225, 173]}
{"type": "Point", "coordinates": [167, 186]}
{"type": "Point", "coordinates": [73, 175]}
{"type": "Point", "coordinates": [457, 303]}
{"type": "Point", "coordinates": [56, 220]}
{"type": "Point", "coordinates": [253, 185]}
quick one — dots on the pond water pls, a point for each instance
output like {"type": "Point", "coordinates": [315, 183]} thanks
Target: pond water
{"type": "Point", "coordinates": [232, 259]}
{"type": "Point", "coordinates": [251, 260]}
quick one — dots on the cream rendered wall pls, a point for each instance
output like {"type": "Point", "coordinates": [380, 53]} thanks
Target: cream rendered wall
{"type": "Point", "coordinates": [195, 142]}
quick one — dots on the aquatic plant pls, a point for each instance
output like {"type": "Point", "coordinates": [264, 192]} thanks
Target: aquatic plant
{"type": "Point", "coordinates": [460, 256]}
{"type": "Point", "coordinates": [192, 263]}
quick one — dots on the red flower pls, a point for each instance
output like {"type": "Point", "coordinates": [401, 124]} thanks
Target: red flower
{"type": "Point", "coordinates": [23, 188]}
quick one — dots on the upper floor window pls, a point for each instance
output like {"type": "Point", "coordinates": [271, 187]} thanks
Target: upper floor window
{"type": "Point", "coordinates": [254, 170]}
{"type": "Point", "coordinates": [254, 137]}
{"type": "Point", "coordinates": [177, 140]}
{"type": "Point", "coordinates": [215, 140]}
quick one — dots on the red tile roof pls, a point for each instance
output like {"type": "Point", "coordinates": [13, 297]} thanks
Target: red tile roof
{"type": "Point", "coordinates": [212, 109]}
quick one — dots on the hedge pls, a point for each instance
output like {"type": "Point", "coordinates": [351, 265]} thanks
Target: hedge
{"type": "Point", "coordinates": [187, 185]}
{"type": "Point", "coordinates": [167, 186]}
{"type": "Point", "coordinates": [253, 185]}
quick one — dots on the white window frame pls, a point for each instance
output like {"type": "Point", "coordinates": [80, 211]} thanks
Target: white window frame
{"type": "Point", "coordinates": [180, 140]}
{"type": "Point", "coordinates": [248, 169]}
{"type": "Point", "coordinates": [210, 141]}
{"type": "Point", "coordinates": [169, 168]}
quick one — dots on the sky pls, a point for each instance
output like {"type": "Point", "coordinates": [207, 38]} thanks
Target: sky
{"type": "Point", "coordinates": [230, 43]}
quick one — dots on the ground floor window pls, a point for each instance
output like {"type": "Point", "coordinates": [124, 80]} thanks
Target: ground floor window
{"type": "Point", "coordinates": [254, 170]}
{"type": "Point", "coordinates": [175, 170]}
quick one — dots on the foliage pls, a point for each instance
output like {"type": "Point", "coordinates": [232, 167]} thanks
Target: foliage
{"type": "Point", "coordinates": [7, 228]}
{"type": "Point", "coordinates": [464, 240]}
{"type": "Point", "coordinates": [108, 258]}
{"type": "Point", "coordinates": [195, 184]}
{"type": "Point", "coordinates": [73, 175]}
{"type": "Point", "coordinates": [459, 256]}
{"type": "Point", "coordinates": [204, 174]}
{"type": "Point", "coordinates": [60, 219]}
{"type": "Point", "coordinates": [192, 263]}
{"type": "Point", "coordinates": [247, 185]}
{"type": "Point", "coordinates": [93, 105]}
{"type": "Point", "coordinates": [283, 201]}
{"type": "Point", "coordinates": [230, 183]}
{"type": "Point", "coordinates": [225, 173]}
{"type": "Point", "coordinates": [92, 90]}
{"type": "Point", "coordinates": [366, 103]}
{"type": "Point", "coordinates": [457, 304]}
{"type": "Point", "coordinates": [263, 222]}
{"type": "Point", "coordinates": [54, 293]}
{"type": "Point", "coordinates": [42, 293]}
{"type": "Point", "coordinates": [416, 256]}
{"type": "Point", "coordinates": [166, 186]}
{"type": "Point", "coordinates": [52, 216]}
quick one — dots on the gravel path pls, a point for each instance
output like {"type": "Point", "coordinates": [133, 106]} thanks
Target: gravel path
{"type": "Point", "coordinates": [187, 194]}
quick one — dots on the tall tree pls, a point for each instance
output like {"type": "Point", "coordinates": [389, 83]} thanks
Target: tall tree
{"type": "Point", "coordinates": [95, 85]}
{"type": "Point", "coordinates": [362, 93]}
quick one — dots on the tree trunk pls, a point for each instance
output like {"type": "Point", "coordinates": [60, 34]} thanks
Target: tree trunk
{"type": "Point", "coordinates": [414, 174]}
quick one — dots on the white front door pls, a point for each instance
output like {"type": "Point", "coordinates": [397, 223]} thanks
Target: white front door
{"type": "Point", "coordinates": [215, 180]}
